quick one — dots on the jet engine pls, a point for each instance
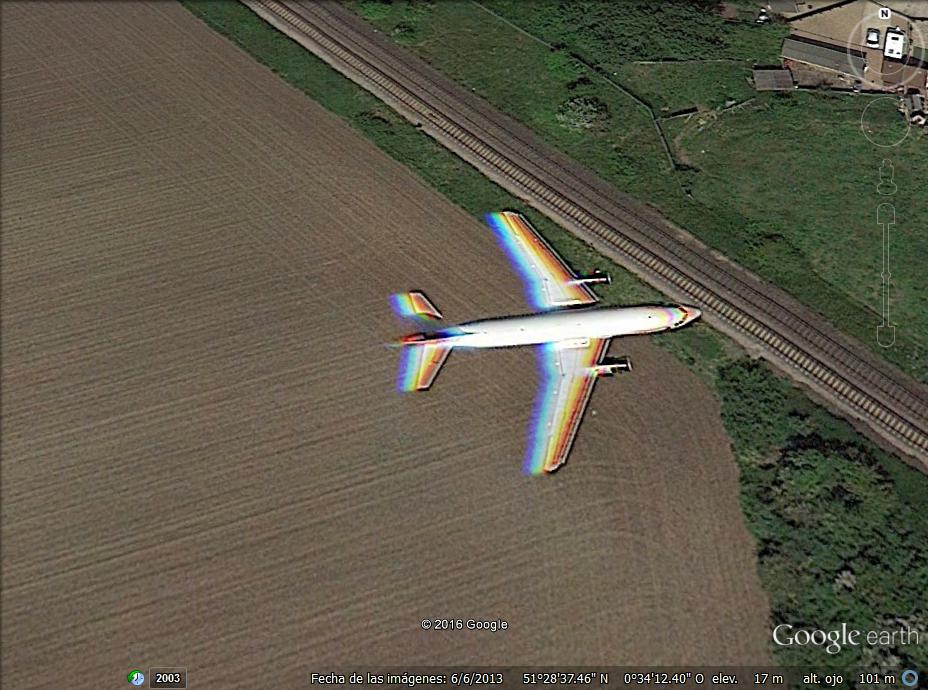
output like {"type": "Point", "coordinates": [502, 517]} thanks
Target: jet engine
{"type": "Point", "coordinates": [612, 366]}
{"type": "Point", "coordinates": [593, 278]}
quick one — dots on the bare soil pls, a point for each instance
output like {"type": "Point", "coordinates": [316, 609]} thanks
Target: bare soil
{"type": "Point", "coordinates": [205, 462]}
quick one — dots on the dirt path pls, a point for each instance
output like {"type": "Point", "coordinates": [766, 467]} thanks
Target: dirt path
{"type": "Point", "coordinates": [204, 461]}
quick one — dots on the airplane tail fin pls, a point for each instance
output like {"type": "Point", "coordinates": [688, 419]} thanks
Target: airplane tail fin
{"type": "Point", "coordinates": [414, 305]}
{"type": "Point", "coordinates": [420, 363]}
{"type": "Point", "coordinates": [423, 353]}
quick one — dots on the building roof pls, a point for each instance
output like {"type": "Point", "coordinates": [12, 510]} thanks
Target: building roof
{"type": "Point", "coordinates": [847, 21]}
{"type": "Point", "coordinates": [783, 6]}
{"type": "Point", "coordinates": [842, 24]}
{"type": "Point", "coordinates": [807, 6]}
{"type": "Point", "coordinates": [826, 55]}
{"type": "Point", "coordinates": [914, 103]}
{"type": "Point", "coordinates": [913, 9]}
{"type": "Point", "coordinates": [909, 73]}
{"type": "Point", "coordinates": [773, 79]}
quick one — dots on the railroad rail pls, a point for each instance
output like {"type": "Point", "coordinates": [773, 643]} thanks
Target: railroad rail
{"type": "Point", "coordinates": [840, 371]}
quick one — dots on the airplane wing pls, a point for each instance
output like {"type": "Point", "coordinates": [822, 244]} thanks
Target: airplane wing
{"type": "Point", "coordinates": [420, 365]}
{"type": "Point", "coordinates": [549, 283]}
{"type": "Point", "coordinates": [566, 386]}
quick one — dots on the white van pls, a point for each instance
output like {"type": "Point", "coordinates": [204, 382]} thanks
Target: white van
{"type": "Point", "coordinates": [895, 44]}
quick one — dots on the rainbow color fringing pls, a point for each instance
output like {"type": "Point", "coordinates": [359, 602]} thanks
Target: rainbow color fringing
{"type": "Point", "coordinates": [537, 442]}
{"type": "Point", "coordinates": [534, 261]}
{"type": "Point", "coordinates": [670, 315]}
{"type": "Point", "coordinates": [413, 305]}
{"type": "Point", "coordinates": [408, 370]}
{"type": "Point", "coordinates": [557, 413]}
{"type": "Point", "coordinates": [420, 361]}
{"type": "Point", "coordinates": [569, 331]}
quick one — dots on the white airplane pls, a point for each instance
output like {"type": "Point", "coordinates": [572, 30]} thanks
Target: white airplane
{"type": "Point", "coordinates": [574, 338]}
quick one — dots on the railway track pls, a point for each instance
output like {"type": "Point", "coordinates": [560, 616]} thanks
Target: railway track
{"type": "Point", "coordinates": [849, 378]}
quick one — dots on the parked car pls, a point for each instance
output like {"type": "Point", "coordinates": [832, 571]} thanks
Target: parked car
{"type": "Point", "coordinates": [873, 38]}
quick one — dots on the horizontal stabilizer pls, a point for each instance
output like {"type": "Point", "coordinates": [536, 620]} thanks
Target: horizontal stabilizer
{"type": "Point", "coordinates": [414, 305]}
{"type": "Point", "coordinates": [420, 364]}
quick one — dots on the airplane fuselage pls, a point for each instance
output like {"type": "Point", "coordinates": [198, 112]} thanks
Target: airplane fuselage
{"type": "Point", "coordinates": [566, 325]}
{"type": "Point", "coordinates": [573, 335]}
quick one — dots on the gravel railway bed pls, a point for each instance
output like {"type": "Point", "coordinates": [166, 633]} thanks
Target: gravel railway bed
{"type": "Point", "coordinates": [849, 378]}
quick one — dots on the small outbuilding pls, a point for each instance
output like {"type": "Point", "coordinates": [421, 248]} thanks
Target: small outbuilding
{"type": "Point", "coordinates": [913, 106]}
{"type": "Point", "coordinates": [771, 79]}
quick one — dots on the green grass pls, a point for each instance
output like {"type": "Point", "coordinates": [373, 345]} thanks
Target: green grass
{"type": "Point", "coordinates": [775, 171]}
{"type": "Point", "coordinates": [701, 59]}
{"type": "Point", "coordinates": [799, 169]}
{"type": "Point", "coordinates": [670, 87]}
{"type": "Point", "coordinates": [821, 500]}
{"type": "Point", "coordinates": [533, 84]}
{"type": "Point", "coordinates": [611, 34]}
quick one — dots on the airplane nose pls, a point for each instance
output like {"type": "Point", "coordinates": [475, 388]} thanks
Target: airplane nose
{"type": "Point", "coordinates": [692, 313]}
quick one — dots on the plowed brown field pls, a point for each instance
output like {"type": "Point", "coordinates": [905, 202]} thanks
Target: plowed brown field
{"type": "Point", "coordinates": [205, 462]}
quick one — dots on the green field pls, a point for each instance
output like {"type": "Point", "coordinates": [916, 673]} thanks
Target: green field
{"type": "Point", "coordinates": [821, 500]}
{"type": "Point", "coordinates": [787, 183]}
{"type": "Point", "coordinates": [804, 155]}
{"type": "Point", "coordinates": [670, 87]}
{"type": "Point", "coordinates": [674, 55]}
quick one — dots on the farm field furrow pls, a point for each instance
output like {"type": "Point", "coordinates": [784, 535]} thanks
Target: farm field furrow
{"type": "Point", "coordinates": [205, 461]}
